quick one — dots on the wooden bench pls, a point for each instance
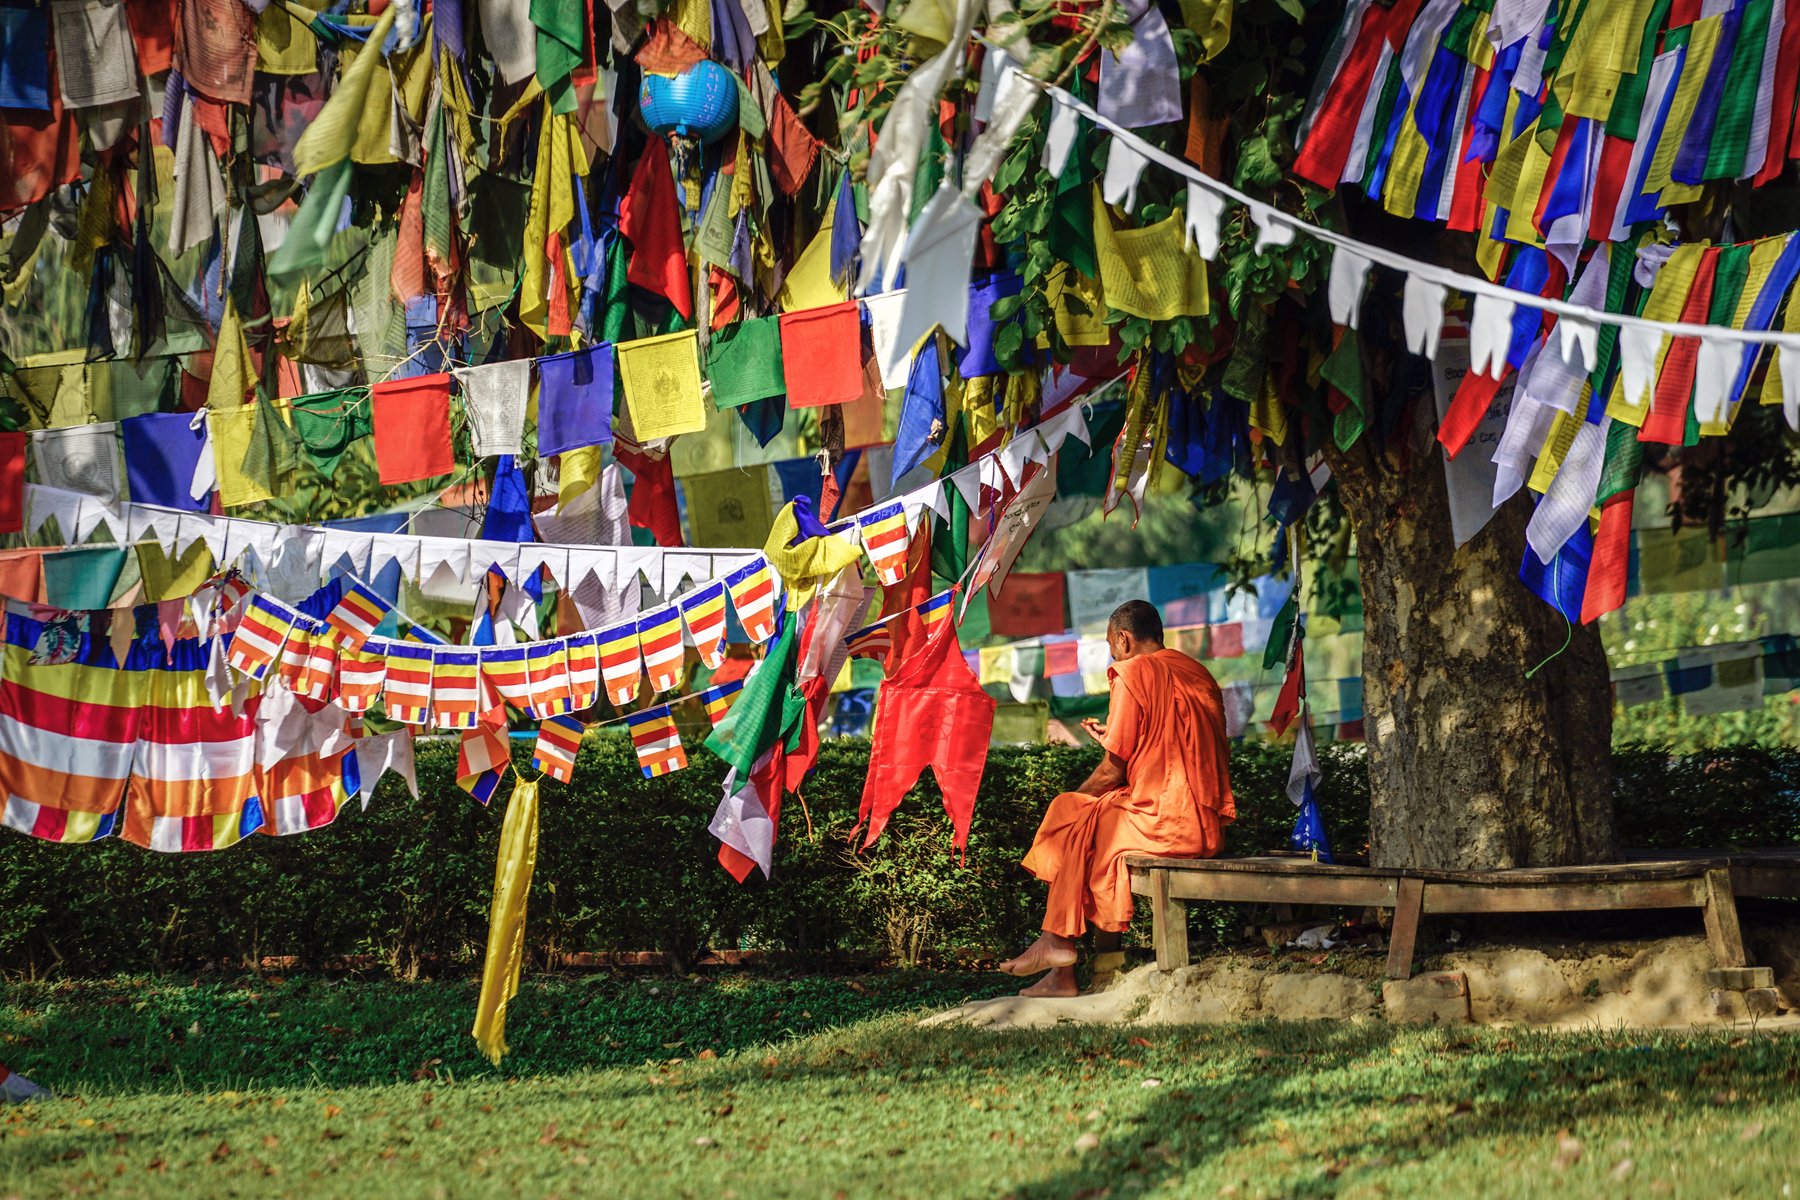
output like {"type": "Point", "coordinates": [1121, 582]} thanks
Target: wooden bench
{"type": "Point", "coordinates": [1707, 880]}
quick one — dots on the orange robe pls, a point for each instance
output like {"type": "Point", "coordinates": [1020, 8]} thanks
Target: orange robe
{"type": "Point", "coordinates": [1167, 722]}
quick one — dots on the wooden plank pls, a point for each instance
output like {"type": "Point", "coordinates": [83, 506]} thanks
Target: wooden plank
{"type": "Point", "coordinates": [1295, 866]}
{"type": "Point", "coordinates": [1762, 878]}
{"type": "Point", "coordinates": [1169, 929]}
{"type": "Point", "coordinates": [1268, 889]}
{"type": "Point", "coordinates": [1408, 906]}
{"type": "Point", "coordinates": [1585, 897]}
{"type": "Point", "coordinates": [1722, 932]}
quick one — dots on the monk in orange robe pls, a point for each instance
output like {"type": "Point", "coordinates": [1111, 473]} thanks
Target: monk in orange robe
{"type": "Point", "coordinates": [1164, 788]}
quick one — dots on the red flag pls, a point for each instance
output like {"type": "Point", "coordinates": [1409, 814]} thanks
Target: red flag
{"type": "Point", "coordinates": [649, 218]}
{"type": "Point", "coordinates": [412, 428]}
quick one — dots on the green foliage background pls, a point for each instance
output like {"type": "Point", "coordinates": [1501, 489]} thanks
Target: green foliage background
{"type": "Point", "coordinates": [627, 864]}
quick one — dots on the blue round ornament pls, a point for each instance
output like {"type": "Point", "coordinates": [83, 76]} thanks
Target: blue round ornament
{"type": "Point", "coordinates": [701, 102]}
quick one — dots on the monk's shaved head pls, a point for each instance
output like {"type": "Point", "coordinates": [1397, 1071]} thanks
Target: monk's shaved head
{"type": "Point", "coordinates": [1138, 618]}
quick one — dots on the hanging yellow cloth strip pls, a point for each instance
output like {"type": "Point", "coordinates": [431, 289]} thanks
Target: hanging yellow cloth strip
{"type": "Point", "coordinates": [506, 920]}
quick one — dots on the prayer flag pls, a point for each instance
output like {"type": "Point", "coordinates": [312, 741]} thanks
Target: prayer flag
{"type": "Point", "coordinates": [575, 400]}
{"type": "Point", "coordinates": [937, 609]}
{"type": "Point", "coordinates": [821, 355]}
{"type": "Point", "coordinates": [319, 679]}
{"type": "Point", "coordinates": [361, 674]}
{"type": "Point", "coordinates": [456, 688]}
{"type": "Point", "coordinates": [659, 637]}
{"type": "Point", "coordinates": [662, 385]}
{"type": "Point", "coordinates": [296, 654]}
{"type": "Point", "coordinates": [743, 361]}
{"type": "Point", "coordinates": [58, 825]}
{"type": "Point", "coordinates": [753, 598]}
{"type": "Point", "coordinates": [886, 537]}
{"type": "Point", "coordinates": [871, 641]}
{"type": "Point", "coordinates": [260, 636]}
{"type": "Point", "coordinates": [704, 611]}
{"type": "Point", "coordinates": [717, 700]}
{"type": "Point", "coordinates": [658, 743]}
{"type": "Point", "coordinates": [548, 663]}
{"type": "Point", "coordinates": [584, 671]}
{"type": "Point", "coordinates": [558, 742]}
{"type": "Point", "coordinates": [412, 428]}
{"type": "Point", "coordinates": [356, 616]}
{"type": "Point", "coordinates": [406, 695]}
{"type": "Point", "coordinates": [482, 759]}
{"type": "Point", "coordinates": [620, 662]}
{"type": "Point", "coordinates": [161, 452]}
{"type": "Point", "coordinates": [512, 888]}
{"type": "Point", "coordinates": [504, 667]}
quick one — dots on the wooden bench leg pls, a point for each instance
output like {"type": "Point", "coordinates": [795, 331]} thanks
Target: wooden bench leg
{"type": "Point", "coordinates": [1409, 904]}
{"type": "Point", "coordinates": [1720, 911]}
{"type": "Point", "coordinates": [1169, 927]}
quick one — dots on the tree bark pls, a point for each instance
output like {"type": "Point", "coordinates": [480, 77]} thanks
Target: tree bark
{"type": "Point", "coordinates": [1472, 764]}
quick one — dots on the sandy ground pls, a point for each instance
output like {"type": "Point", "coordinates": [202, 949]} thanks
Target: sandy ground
{"type": "Point", "coordinates": [1645, 984]}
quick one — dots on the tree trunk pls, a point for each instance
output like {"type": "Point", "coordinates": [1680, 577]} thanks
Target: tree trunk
{"type": "Point", "coordinates": [1471, 764]}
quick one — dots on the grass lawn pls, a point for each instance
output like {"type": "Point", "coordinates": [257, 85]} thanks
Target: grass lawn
{"type": "Point", "coordinates": [825, 1086]}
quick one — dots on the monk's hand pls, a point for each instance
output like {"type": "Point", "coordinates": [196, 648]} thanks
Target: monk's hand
{"type": "Point", "coordinates": [1095, 729]}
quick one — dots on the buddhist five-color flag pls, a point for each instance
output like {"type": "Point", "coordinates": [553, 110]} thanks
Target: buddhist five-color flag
{"type": "Point", "coordinates": [620, 662]}
{"type": "Point", "coordinates": [548, 663]}
{"type": "Point", "coordinates": [482, 759]}
{"type": "Point", "coordinates": [504, 668]}
{"type": "Point", "coordinates": [884, 536]}
{"type": "Point", "coordinates": [456, 687]}
{"type": "Point", "coordinates": [361, 674]}
{"type": "Point", "coordinates": [558, 742]}
{"type": "Point", "coordinates": [58, 825]}
{"type": "Point", "coordinates": [584, 671]}
{"type": "Point", "coordinates": [406, 696]}
{"type": "Point", "coordinates": [717, 700]}
{"type": "Point", "coordinates": [871, 641]}
{"type": "Point", "coordinates": [260, 636]}
{"type": "Point", "coordinates": [937, 608]}
{"type": "Point", "coordinates": [704, 611]}
{"type": "Point", "coordinates": [753, 597]}
{"type": "Point", "coordinates": [659, 637]}
{"type": "Point", "coordinates": [294, 666]}
{"type": "Point", "coordinates": [658, 743]}
{"type": "Point", "coordinates": [356, 616]}
{"type": "Point", "coordinates": [319, 680]}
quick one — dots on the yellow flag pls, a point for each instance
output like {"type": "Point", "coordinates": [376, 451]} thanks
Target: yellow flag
{"type": "Point", "coordinates": [552, 208]}
{"type": "Point", "coordinates": [285, 43]}
{"type": "Point", "coordinates": [231, 430]}
{"type": "Point", "coordinates": [662, 385]}
{"type": "Point", "coordinates": [577, 471]}
{"type": "Point", "coordinates": [506, 919]}
{"type": "Point", "coordinates": [232, 378]}
{"type": "Point", "coordinates": [809, 284]}
{"type": "Point", "coordinates": [805, 567]}
{"type": "Point", "coordinates": [1149, 272]}
{"type": "Point", "coordinates": [328, 139]}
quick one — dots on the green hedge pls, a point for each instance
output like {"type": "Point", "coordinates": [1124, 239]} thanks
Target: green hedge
{"type": "Point", "coordinates": [626, 864]}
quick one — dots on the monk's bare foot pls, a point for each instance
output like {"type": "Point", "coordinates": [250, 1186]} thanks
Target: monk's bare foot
{"type": "Point", "coordinates": [1056, 984]}
{"type": "Point", "coordinates": [1048, 952]}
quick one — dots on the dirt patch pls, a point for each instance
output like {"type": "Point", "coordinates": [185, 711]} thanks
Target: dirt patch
{"type": "Point", "coordinates": [1646, 984]}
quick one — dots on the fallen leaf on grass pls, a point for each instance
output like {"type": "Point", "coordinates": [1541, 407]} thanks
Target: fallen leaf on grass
{"type": "Point", "coordinates": [221, 1152]}
{"type": "Point", "coordinates": [1086, 1142]}
{"type": "Point", "coordinates": [1752, 1131]}
{"type": "Point", "coordinates": [1568, 1151]}
{"type": "Point", "coordinates": [1621, 1169]}
{"type": "Point", "coordinates": [1141, 1041]}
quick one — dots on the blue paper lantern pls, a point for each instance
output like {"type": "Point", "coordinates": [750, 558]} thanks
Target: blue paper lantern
{"type": "Point", "coordinates": [701, 102]}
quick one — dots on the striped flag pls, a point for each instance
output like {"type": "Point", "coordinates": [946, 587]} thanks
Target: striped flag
{"type": "Point", "coordinates": [937, 608]}
{"type": "Point", "coordinates": [504, 667]}
{"type": "Point", "coordinates": [753, 597]}
{"type": "Point", "coordinates": [482, 759]}
{"type": "Point", "coordinates": [558, 742]}
{"type": "Point", "coordinates": [175, 835]}
{"type": "Point", "coordinates": [548, 663]}
{"type": "Point", "coordinates": [584, 671]}
{"type": "Point", "coordinates": [295, 663]}
{"type": "Point", "coordinates": [406, 696]}
{"type": "Point", "coordinates": [356, 616]}
{"type": "Point", "coordinates": [659, 637]}
{"type": "Point", "coordinates": [260, 636]}
{"type": "Point", "coordinates": [58, 825]}
{"type": "Point", "coordinates": [621, 666]}
{"type": "Point", "coordinates": [885, 537]}
{"type": "Point", "coordinates": [361, 673]}
{"type": "Point", "coordinates": [319, 680]}
{"type": "Point", "coordinates": [704, 611]}
{"type": "Point", "coordinates": [658, 743]}
{"type": "Point", "coordinates": [871, 641]}
{"type": "Point", "coordinates": [717, 700]}
{"type": "Point", "coordinates": [423, 636]}
{"type": "Point", "coordinates": [455, 688]}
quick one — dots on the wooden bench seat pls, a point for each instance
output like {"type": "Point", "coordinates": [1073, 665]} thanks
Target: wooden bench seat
{"type": "Point", "coordinates": [1707, 880]}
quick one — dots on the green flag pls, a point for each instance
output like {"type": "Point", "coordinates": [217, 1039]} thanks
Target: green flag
{"type": "Point", "coordinates": [769, 710]}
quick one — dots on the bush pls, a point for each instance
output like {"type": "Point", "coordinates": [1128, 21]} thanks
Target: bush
{"type": "Point", "coordinates": [626, 863]}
